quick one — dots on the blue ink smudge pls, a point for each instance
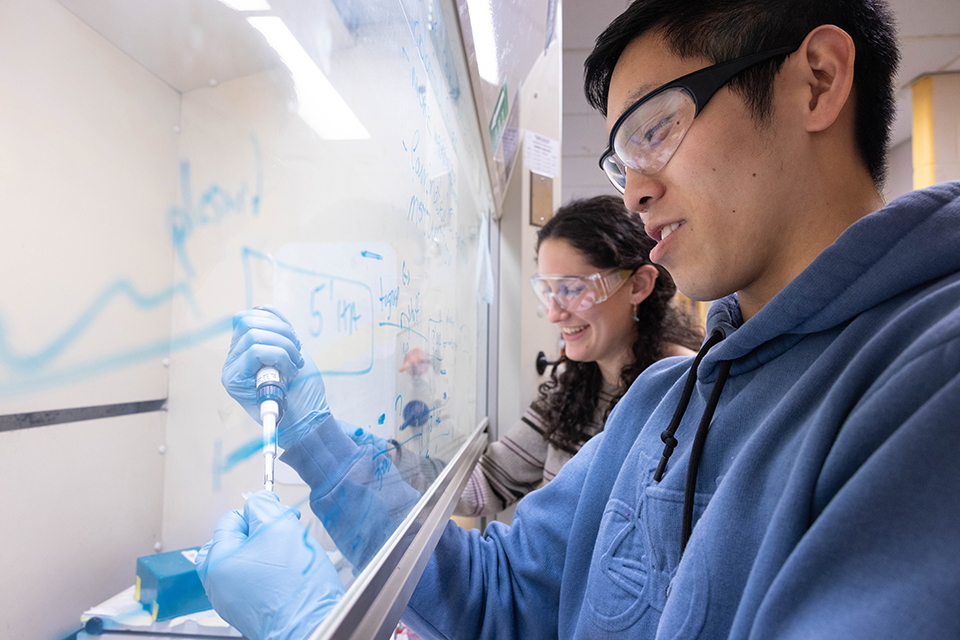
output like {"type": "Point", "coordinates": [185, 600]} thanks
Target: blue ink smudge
{"type": "Point", "coordinates": [242, 453]}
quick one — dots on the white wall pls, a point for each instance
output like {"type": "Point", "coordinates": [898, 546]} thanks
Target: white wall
{"type": "Point", "coordinates": [81, 503]}
{"type": "Point", "coordinates": [86, 142]}
{"type": "Point", "coordinates": [523, 332]}
{"type": "Point", "coordinates": [542, 95]}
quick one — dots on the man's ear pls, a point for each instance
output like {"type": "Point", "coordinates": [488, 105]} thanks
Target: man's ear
{"type": "Point", "coordinates": [642, 283]}
{"type": "Point", "coordinates": [826, 60]}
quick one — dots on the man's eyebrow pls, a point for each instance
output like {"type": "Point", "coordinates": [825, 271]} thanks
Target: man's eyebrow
{"type": "Point", "coordinates": [638, 93]}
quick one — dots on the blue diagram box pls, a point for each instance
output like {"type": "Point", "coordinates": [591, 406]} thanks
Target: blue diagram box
{"type": "Point", "coordinates": [168, 585]}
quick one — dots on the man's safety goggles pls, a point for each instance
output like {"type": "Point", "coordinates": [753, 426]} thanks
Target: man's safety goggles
{"type": "Point", "coordinates": [578, 293]}
{"type": "Point", "coordinates": [646, 135]}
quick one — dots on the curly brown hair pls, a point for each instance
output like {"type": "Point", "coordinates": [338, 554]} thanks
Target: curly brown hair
{"type": "Point", "coordinates": [609, 237]}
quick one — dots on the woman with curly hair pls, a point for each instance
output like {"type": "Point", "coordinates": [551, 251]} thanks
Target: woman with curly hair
{"type": "Point", "coordinates": [615, 312]}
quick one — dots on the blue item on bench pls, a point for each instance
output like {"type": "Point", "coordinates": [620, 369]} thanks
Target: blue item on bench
{"type": "Point", "coordinates": [168, 585]}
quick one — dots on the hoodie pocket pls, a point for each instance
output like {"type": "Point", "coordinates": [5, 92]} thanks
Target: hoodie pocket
{"type": "Point", "coordinates": [636, 556]}
{"type": "Point", "coordinates": [622, 586]}
{"type": "Point", "coordinates": [618, 577]}
{"type": "Point", "coordinates": [684, 610]}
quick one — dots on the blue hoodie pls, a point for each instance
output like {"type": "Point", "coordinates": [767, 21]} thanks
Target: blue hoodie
{"type": "Point", "coordinates": [826, 500]}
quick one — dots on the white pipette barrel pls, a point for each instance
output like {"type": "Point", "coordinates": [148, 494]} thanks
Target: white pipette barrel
{"type": "Point", "coordinates": [270, 398]}
{"type": "Point", "coordinates": [268, 414]}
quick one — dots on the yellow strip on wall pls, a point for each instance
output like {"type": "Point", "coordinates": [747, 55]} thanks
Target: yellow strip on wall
{"type": "Point", "coordinates": [924, 163]}
{"type": "Point", "coordinates": [696, 309]}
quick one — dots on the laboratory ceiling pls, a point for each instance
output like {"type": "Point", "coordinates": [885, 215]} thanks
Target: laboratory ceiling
{"type": "Point", "coordinates": [185, 43]}
{"type": "Point", "coordinates": [190, 44]}
{"type": "Point", "coordinates": [929, 42]}
{"type": "Point", "coordinates": [164, 37]}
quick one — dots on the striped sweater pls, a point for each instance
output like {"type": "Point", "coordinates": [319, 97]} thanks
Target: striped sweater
{"type": "Point", "coordinates": [521, 461]}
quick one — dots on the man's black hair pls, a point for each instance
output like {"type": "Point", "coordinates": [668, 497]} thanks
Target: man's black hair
{"type": "Point", "coordinates": [720, 30]}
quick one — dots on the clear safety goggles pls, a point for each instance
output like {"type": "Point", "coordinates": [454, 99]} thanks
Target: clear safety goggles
{"type": "Point", "coordinates": [578, 293]}
{"type": "Point", "coordinates": [646, 135]}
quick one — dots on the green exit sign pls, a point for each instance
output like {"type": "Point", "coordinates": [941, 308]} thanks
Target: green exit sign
{"type": "Point", "coordinates": [498, 122]}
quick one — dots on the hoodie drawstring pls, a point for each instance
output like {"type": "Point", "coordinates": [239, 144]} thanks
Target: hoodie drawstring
{"type": "Point", "coordinates": [696, 452]}
{"type": "Point", "coordinates": [670, 442]}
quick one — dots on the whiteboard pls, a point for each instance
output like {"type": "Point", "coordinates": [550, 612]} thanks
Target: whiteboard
{"type": "Point", "coordinates": [168, 164]}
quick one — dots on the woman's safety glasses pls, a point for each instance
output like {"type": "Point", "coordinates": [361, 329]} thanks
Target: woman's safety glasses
{"type": "Point", "coordinates": [646, 136]}
{"type": "Point", "coordinates": [578, 293]}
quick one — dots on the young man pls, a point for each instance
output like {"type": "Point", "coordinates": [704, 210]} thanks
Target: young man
{"type": "Point", "coordinates": [799, 478]}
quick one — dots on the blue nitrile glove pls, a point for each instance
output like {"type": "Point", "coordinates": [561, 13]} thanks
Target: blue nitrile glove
{"type": "Point", "coordinates": [265, 574]}
{"type": "Point", "coordinates": [262, 336]}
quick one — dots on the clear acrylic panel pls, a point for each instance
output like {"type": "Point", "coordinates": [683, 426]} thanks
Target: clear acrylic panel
{"type": "Point", "coordinates": [167, 164]}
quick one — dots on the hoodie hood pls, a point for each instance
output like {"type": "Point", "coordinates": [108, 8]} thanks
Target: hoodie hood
{"type": "Point", "coordinates": [874, 260]}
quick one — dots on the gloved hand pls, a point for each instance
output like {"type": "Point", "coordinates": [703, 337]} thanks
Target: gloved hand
{"type": "Point", "coordinates": [265, 574]}
{"type": "Point", "coordinates": [262, 336]}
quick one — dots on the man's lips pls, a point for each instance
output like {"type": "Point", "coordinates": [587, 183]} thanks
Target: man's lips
{"type": "Point", "coordinates": [668, 229]}
{"type": "Point", "coordinates": [662, 231]}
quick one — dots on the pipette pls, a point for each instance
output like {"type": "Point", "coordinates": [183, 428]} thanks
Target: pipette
{"type": "Point", "coordinates": [270, 398]}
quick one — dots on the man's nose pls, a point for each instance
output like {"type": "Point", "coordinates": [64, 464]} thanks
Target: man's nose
{"type": "Point", "coordinates": [641, 190]}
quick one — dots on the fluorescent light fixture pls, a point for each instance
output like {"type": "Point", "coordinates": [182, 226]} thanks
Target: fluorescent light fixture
{"type": "Point", "coordinates": [247, 5]}
{"type": "Point", "coordinates": [484, 40]}
{"type": "Point", "coordinates": [320, 106]}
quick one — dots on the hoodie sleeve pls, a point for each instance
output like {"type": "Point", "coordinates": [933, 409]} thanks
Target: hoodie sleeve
{"type": "Point", "coordinates": [505, 583]}
{"type": "Point", "coordinates": [881, 556]}
{"type": "Point", "coordinates": [356, 491]}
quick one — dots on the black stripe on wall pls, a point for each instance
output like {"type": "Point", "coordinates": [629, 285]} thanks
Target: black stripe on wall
{"type": "Point", "coordinates": [14, 421]}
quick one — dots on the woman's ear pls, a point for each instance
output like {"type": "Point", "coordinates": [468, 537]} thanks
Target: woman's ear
{"type": "Point", "coordinates": [642, 283]}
